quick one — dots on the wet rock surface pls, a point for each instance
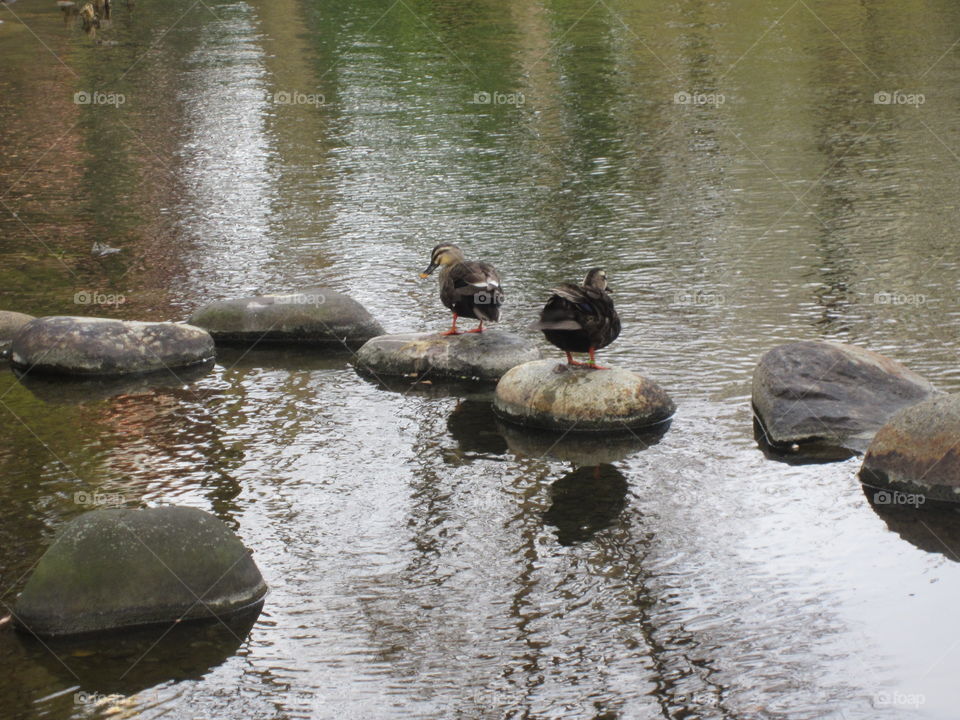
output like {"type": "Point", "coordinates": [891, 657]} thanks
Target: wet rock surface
{"type": "Point", "coordinates": [117, 568]}
{"type": "Point", "coordinates": [555, 396]}
{"type": "Point", "coordinates": [830, 394]}
{"type": "Point", "coordinates": [483, 356]}
{"type": "Point", "coordinates": [312, 316]}
{"type": "Point", "coordinates": [105, 347]}
{"type": "Point", "coordinates": [915, 457]}
{"type": "Point", "coordinates": [10, 324]}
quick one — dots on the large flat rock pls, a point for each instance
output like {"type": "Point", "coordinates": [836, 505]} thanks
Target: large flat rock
{"type": "Point", "coordinates": [831, 394]}
{"type": "Point", "coordinates": [10, 324]}
{"type": "Point", "coordinates": [118, 568]}
{"type": "Point", "coordinates": [312, 316]}
{"type": "Point", "coordinates": [105, 347]}
{"type": "Point", "coordinates": [555, 396]}
{"type": "Point", "coordinates": [483, 356]}
{"type": "Point", "coordinates": [915, 457]}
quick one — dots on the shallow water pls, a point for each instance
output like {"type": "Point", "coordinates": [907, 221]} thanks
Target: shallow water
{"type": "Point", "coordinates": [423, 560]}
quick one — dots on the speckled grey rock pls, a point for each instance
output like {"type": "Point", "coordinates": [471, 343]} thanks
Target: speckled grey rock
{"type": "Point", "coordinates": [119, 568]}
{"type": "Point", "coordinates": [86, 346]}
{"type": "Point", "coordinates": [312, 316]}
{"type": "Point", "coordinates": [917, 453]}
{"type": "Point", "coordinates": [483, 356]}
{"type": "Point", "coordinates": [830, 393]}
{"type": "Point", "coordinates": [555, 396]}
{"type": "Point", "coordinates": [10, 324]}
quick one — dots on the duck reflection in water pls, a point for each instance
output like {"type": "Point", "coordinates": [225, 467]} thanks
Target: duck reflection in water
{"type": "Point", "coordinates": [586, 501]}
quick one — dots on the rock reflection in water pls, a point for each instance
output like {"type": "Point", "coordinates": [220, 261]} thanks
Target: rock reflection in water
{"type": "Point", "coordinates": [808, 453]}
{"type": "Point", "coordinates": [581, 449]}
{"type": "Point", "coordinates": [930, 526]}
{"type": "Point", "coordinates": [132, 661]}
{"type": "Point", "coordinates": [586, 501]}
{"type": "Point", "coordinates": [84, 391]}
{"type": "Point", "coordinates": [474, 426]}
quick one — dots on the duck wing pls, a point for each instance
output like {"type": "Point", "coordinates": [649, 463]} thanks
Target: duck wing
{"type": "Point", "coordinates": [579, 308]}
{"type": "Point", "coordinates": [473, 287]}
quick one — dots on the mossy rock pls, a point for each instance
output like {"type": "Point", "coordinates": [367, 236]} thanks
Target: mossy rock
{"type": "Point", "coordinates": [555, 396]}
{"type": "Point", "coordinates": [10, 324]}
{"type": "Point", "coordinates": [313, 316]}
{"type": "Point", "coordinates": [117, 568]}
{"type": "Point", "coordinates": [103, 347]}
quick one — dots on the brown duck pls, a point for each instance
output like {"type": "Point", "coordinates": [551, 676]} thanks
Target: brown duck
{"type": "Point", "coordinates": [469, 288]}
{"type": "Point", "coordinates": [581, 318]}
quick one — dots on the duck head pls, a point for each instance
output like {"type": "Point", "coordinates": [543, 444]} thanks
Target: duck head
{"type": "Point", "coordinates": [443, 254]}
{"type": "Point", "coordinates": [596, 278]}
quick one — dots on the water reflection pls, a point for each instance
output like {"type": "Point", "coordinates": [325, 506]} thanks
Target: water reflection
{"type": "Point", "coordinates": [291, 358]}
{"type": "Point", "coordinates": [475, 428]}
{"type": "Point", "coordinates": [931, 527]}
{"type": "Point", "coordinates": [807, 453]}
{"type": "Point", "coordinates": [582, 449]}
{"type": "Point", "coordinates": [585, 501]}
{"type": "Point", "coordinates": [131, 661]}
{"type": "Point", "coordinates": [427, 387]}
{"type": "Point", "coordinates": [85, 391]}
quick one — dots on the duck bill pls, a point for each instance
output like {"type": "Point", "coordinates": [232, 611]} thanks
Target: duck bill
{"type": "Point", "coordinates": [430, 268]}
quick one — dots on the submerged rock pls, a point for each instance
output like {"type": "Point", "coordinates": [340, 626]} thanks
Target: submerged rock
{"type": "Point", "coordinates": [10, 324]}
{"type": "Point", "coordinates": [120, 568]}
{"type": "Point", "coordinates": [830, 393]}
{"type": "Point", "coordinates": [915, 457]}
{"type": "Point", "coordinates": [313, 316]}
{"type": "Point", "coordinates": [485, 356]}
{"type": "Point", "coordinates": [104, 347]}
{"type": "Point", "coordinates": [555, 396]}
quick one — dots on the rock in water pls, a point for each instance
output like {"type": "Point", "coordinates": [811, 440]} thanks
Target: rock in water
{"type": "Point", "coordinates": [485, 356]}
{"type": "Point", "coordinates": [829, 393]}
{"type": "Point", "coordinates": [555, 396]}
{"type": "Point", "coordinates": [10, 324]}
{"type": "Point", "coordinates": [119, 568]}
{"type": "Point", "coordinates": [103, 347]}
{"type": "Point", "coordinates": [915, 457]}
{"type": "Point", "coordinates": [313, 316]}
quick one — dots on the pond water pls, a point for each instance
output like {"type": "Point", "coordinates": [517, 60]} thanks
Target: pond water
{"type": "Point", "coordinates": [747, 173]}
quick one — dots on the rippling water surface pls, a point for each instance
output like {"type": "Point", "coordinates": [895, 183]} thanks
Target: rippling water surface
{"type": "Point", "coordinates": [424, 561]}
